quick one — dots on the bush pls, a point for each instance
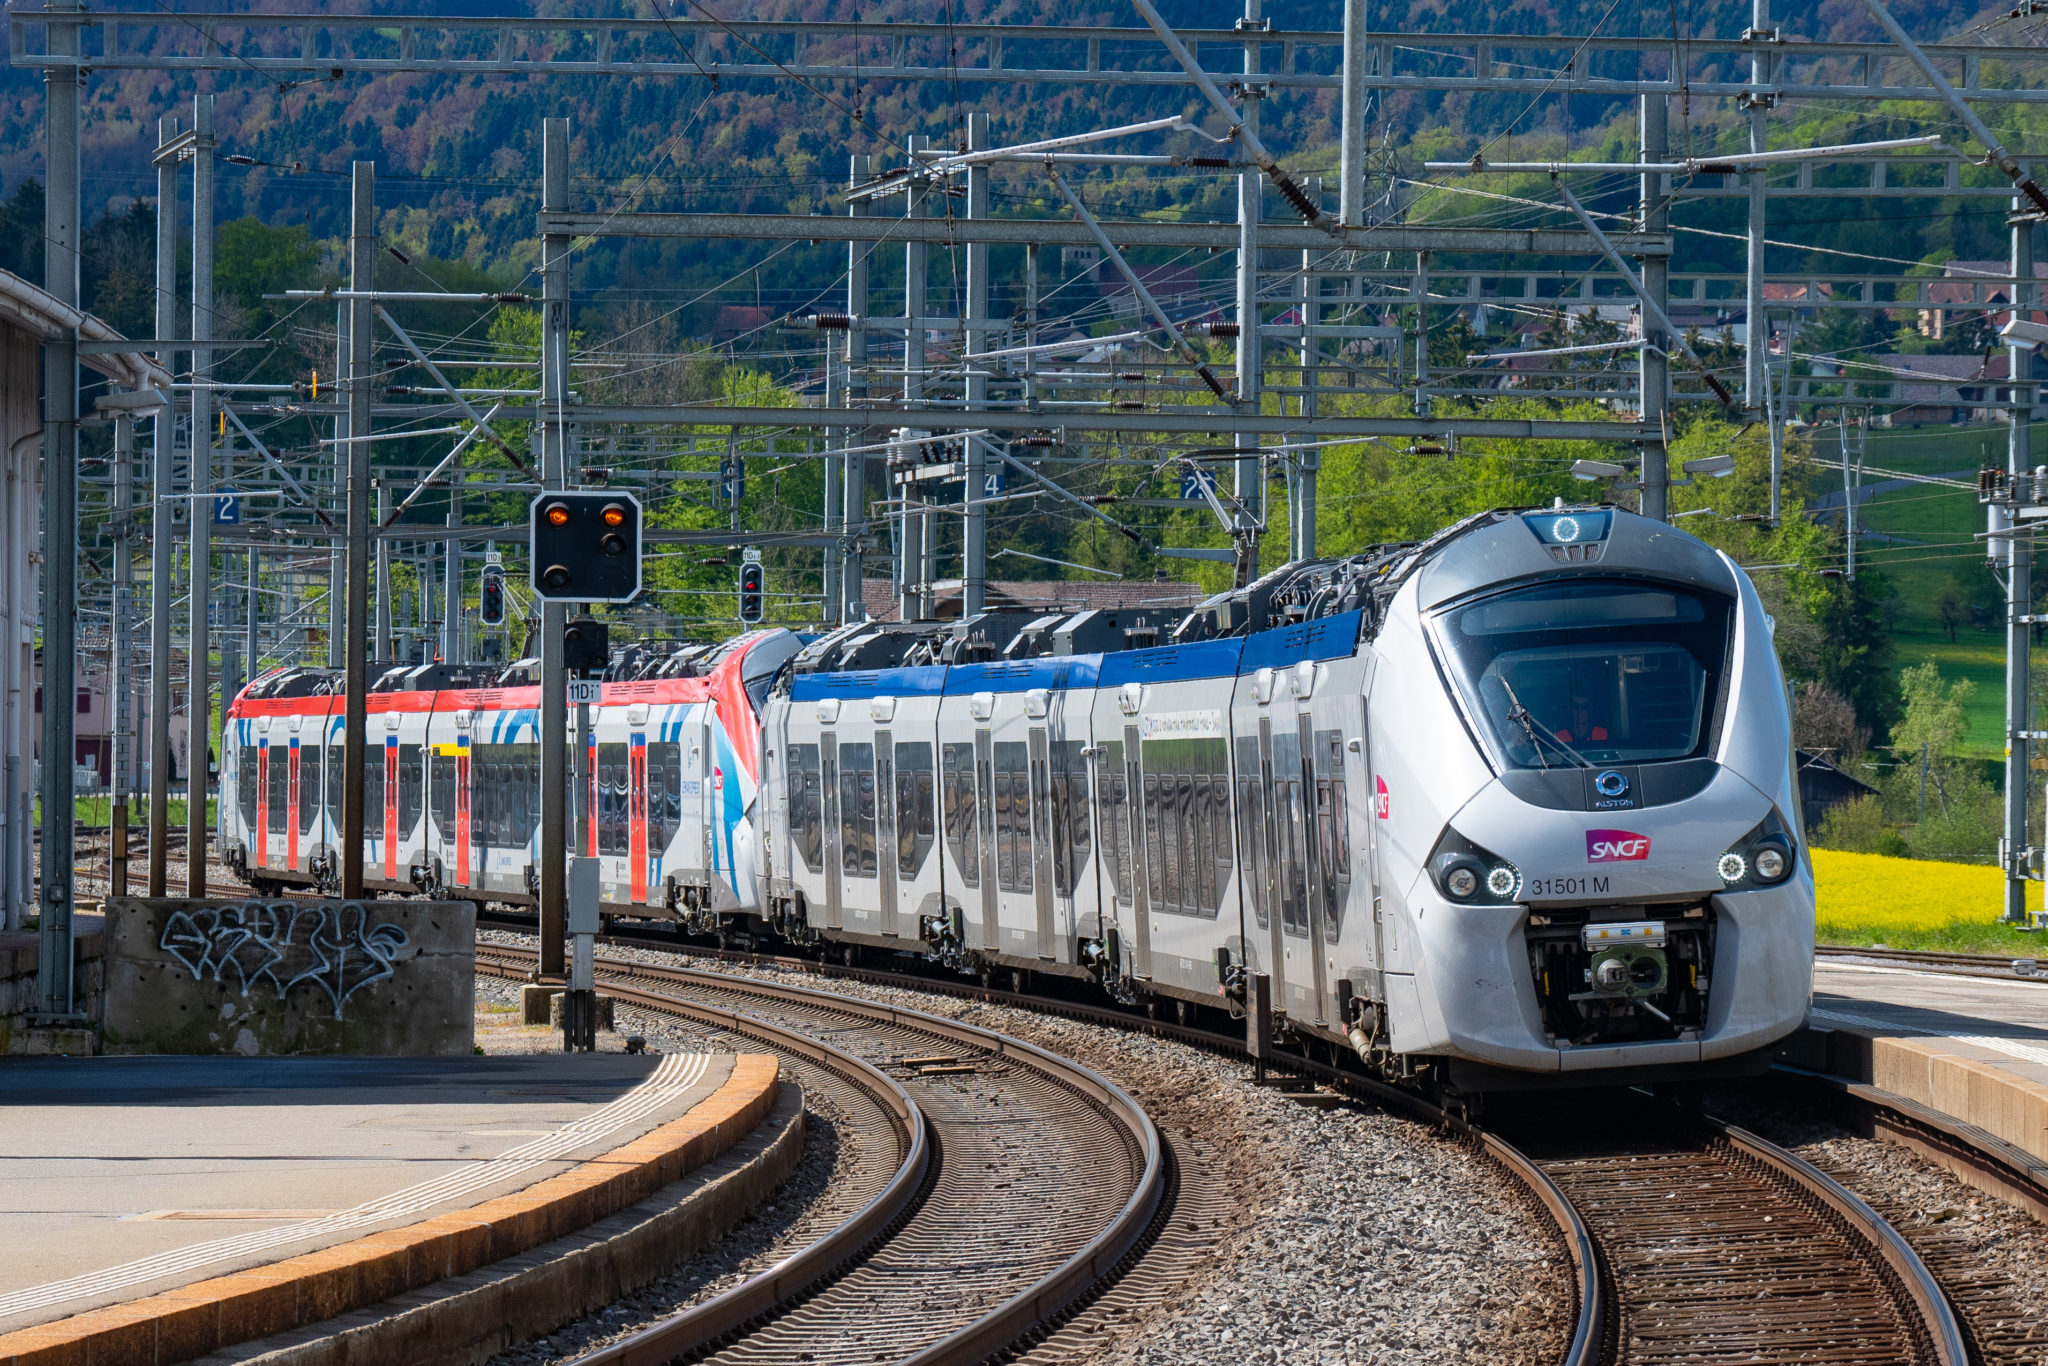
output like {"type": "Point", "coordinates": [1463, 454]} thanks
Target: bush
{"type": "Point", "coordinates": [1859, 827]}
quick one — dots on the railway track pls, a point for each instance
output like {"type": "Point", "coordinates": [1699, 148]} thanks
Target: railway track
{"type": "Point", "coordinates": [1690, 1240]}
{"type": "Point", "coordinates": [986, 1233]}
{"type": "Point", "coordinates": [1962, 964]}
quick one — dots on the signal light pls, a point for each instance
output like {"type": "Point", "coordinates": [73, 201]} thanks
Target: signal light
{"type": "Point", "coordinates": [491, 596]}
{"type": "Point", "coordinates": [753, 591]}
{"type": "Point", "coordinates": [586, 547]}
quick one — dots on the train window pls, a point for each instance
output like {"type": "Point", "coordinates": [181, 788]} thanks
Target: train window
{"type": "Point", "coordinates": [916, 827]}
{"type": "Point", "coordinates": [963, 828]}
{"type": "Point", "coordinates": [483, 796]}
{"type": "Point", "coordinates": [613, 787]}
{"type": "Point", "coordinates": [1333, 834]}
{"type": "Point", "coordinates": [373, 793]}
{"type": "Point", "coordinates": [857, 810]}
{"type": "Point", "coordinates": [277, 790]}
{"type": "Point", "coordinates": [245, 785]}
{"type": "Point", "coordinates": [664, 793]}
{"type": "Point", "coordinates": [1069, 814]}
{"type": "Point", "coordinates": [310, 787]}
{"type": "Point", "coordinates": [1112, 806]}
{"type": "Point", "coordinates": [1155, 854]}
{"type": "Point", "coordinates": [1602, 673]}
{"type": "Point", "coordinates": [411, 787]}
{"type": "Point", "coordinates": [523, 795]}
{"type": "Point", "coordinates": [1013, 815]}
{"type": "Point", "coordinates": [441, 795]}
{"type": "Point", "coordinates": [1187, 834]}
{"type": "Point", "coordinates": [1219, 829]}
{"type": "Point", "coordinates": [806, 806]}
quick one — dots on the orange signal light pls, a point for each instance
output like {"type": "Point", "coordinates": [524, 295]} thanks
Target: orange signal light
{"type": "Point", "coordinates": [614, 515]}
{"type": "Point", "coordinates": [558, 515]}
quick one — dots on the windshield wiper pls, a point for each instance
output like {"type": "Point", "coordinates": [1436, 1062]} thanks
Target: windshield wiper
{"type": "Point", "coordinates": [1538, 733]}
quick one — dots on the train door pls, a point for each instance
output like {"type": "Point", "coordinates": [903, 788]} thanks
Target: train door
{"type": "Point", "coordinates": [1271, 884]}
{"type": "Point", "coordinates": [636, 816]}
{"type": "Point", "coordinates": [1039, 821]}
{"type": "Point", "coordinates": [1069, 787]}
{"type": "Point", "coordinates": [291, 807]}
{"type": "Point", "coordinates": [1131, 850]}
{"type": "Point", "coordinates": [828, 782]}
{"type": "Point", "coordinates": [1318, 900]}
{"type": "Point", "coordinates": [985, 809]}
{"type": "Point", "coordinates": [387, 819]}
{"type": "Point", "coordinates": [697, 768]}
{"type": "Point", "coordinates": [463, 877]}
{"type": "Point", "coordinates": [262, 832]}
{"type": "Point", "coordinates": [885, 835]}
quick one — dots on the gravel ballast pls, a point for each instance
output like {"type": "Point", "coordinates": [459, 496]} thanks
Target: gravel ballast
{"type": "Point", "coordinates": [1312, 1235]}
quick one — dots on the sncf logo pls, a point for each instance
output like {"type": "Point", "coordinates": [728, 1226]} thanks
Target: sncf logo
{"type": "Point", "coordinates": [1612, 846]}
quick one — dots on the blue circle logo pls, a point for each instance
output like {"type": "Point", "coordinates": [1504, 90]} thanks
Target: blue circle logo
{"type": "Point", "coordinates": [1612, 783]}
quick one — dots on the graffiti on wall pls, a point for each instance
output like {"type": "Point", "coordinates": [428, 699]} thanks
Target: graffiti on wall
{"type": "Point", "coordinates": [329, 947]}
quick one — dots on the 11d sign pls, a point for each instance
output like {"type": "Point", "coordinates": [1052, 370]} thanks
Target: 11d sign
{"type": "Point", "coordinates": [586, 547]}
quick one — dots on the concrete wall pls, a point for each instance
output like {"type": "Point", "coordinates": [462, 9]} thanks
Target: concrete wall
{"type": "Point", "coordinates": [389, 978]}
{"type": "Point", "coordinates": [19, 956]}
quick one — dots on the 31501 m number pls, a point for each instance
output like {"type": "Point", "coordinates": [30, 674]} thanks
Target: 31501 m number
{"type": "Point", "coordinates": [1567, 886]}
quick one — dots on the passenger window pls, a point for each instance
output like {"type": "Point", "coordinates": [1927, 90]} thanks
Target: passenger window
{"type": "Point", "coordinates": [1113, 815]}
{"type": "Point", "coordinates": [277, 786]}
{"type": "Point", "coordinates": [857, 810]}
{"type": "Point", "coordinates": [1013, 815]}
{"type": "Point", "coordinates": [310, 788]}
{"type": "Point", "coordinates": [806, 806]}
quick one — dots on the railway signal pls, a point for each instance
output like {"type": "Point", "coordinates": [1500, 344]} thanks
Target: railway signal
{"type": "Point", "coordinates": [586, 646]}
{"type": "Point", "coordinates": [753, 591]}
{"type": "Point", "coordinates": [491, 596]}
{"type": "Point", "coordinates": [586, 547]}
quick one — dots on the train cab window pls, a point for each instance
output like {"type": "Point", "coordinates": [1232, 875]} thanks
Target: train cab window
{"type": "Point", "coordinates": [857, 811]}
{"type": "Point", "coordinates": [916, 825]}
{"type": "Point", "coordinates": [613, 831]}
{"type": "Point", "coordinates": [806, 806]}
{"type": "Point", "coordinates": [441, 779]}
{"type": "Point", "coordinates": [1603, 672]}
{"type": "Point", "coordinates": [277, 788]}
{"type": "Point", "coordinates": [963, 825]}
{"type": "Point", "coordinates": [1112, 808]}
{"type": "Point", "coordinates": [664, 793]}
{"type": "Point", "coordinates": [310, 787]}
{"type": "Point", "coordinates": [411, 787]}
{"type": "Point", "coordinates": [373, 793]}
{"type": "Point", "coordinates": [245, 785]}
{"type": "Point", "coordinates": [1012, 798]}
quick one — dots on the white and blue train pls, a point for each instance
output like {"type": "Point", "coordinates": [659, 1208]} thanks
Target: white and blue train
{"type": "Point", "coordinates": [1515, 804]}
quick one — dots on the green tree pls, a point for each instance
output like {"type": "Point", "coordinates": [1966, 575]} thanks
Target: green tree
{"type": "Point", "coordinates": [1859, 826]}
{"type": "Point", "coordinates": [1950, 607]}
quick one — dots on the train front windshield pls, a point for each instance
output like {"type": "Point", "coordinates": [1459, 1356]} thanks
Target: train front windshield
{"type": "Point", "coordinates": [1607, 672]}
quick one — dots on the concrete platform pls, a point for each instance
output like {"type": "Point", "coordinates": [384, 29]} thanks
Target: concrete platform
{"type": "Point", "coordinates": [1973, 1048]}
{"type": "Point", "coordinates": [157, 1209]}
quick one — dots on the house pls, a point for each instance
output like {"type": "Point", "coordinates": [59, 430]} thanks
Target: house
{"type": "Point", "coordinates": [1963, 293]}
{"type": "Point", "coordinates": [1822, 786]}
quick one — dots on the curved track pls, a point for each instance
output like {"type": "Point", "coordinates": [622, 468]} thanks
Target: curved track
{"type": "Point", "coordinates": [1039, 1179]}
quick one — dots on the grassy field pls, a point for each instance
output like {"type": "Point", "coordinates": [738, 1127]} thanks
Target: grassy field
{"type": "Point", "coordinates": [1937, 530]}
{"type": "Point", "coordinates": [1871, 900]}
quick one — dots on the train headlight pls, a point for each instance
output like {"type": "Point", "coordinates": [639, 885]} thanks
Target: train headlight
{"type": "Point", "coordinates": [1472, 876]}
{"type": "Point", "coordinates": [1762, 858]}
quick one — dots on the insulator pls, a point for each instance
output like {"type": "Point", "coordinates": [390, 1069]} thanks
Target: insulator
{"type": "Point", "coordinates": [1220, 329]}
{"type": "Point", "coordinates": [1211, 163]}
{"type": "Point", "coordinates": [1038, 441]}
{"type": "Point", "coordinates": [831, 322]}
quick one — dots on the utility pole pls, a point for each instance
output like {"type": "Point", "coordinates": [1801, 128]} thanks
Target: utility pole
{"type": "Point", "coordinates": [362, 282]}
{"type": "Point", "coordinates": [120, 661]}
{"type": "Point", "coordinates": [1249, 476]}
{"type": "Point", "coordinates": [2019, 585]}
{"type": "Point", "coordinates": [253, 638]}
{"type": "Point", "coordinates": [452, 635]}
{"type": "Point", "coordinates": [1351, 142]}
{"type": "Point", "coordinates": [974, 520]}
{"type": "Point", "coordinates": [337, 579]}
{"type": "Point", "coordinates": [1653, 366]}
{"type": "Point", "coordinates": [554, 616]}
{"type": "Point", "coordinates": [54, 968]}
{"type": "Point", "coordinates": [1758, 101]}
{"type": "Point", "coordinates": [163, 439]}
{"type": "Point", "coordinates": [914, 525]}
{"type": "Point", "coordinates": [198, 711]}
{"type": "Point", "coordinates": [854, 499]}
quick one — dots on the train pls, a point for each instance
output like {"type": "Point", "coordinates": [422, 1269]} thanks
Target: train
{"type": "Point", "coordinates": [1512, 806]}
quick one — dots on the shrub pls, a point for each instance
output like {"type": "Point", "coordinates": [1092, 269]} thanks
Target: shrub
{"type": "Point", "coordinates": [1859, 827]}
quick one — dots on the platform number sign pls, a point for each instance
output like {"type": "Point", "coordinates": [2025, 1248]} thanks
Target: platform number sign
{"type": "Point", "coordinates": [1197, 482]}
{"type": "Point", "coordinates": [993, 481]}
{"type": "Point", "coordinates": [227, 509]}
{"type": "Point", "coordinates": [753, 592]}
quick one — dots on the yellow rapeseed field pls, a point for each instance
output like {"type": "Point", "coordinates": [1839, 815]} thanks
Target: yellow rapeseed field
{"type": "Point", "coordinates": [1862, 898]}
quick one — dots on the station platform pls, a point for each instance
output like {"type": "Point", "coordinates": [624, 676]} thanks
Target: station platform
{"type": "Point", "coordinates": [158, 1209]}
{"type": "Point", "coordinates": [1973, 1048]}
